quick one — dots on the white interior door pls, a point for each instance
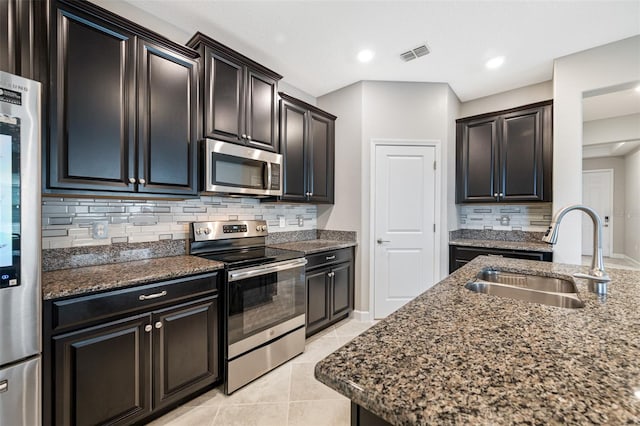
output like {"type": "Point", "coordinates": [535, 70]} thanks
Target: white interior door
{"type": "Point", "coordinates": [597, 193]}
{"type": "Point", "coordinates": [404, 236]}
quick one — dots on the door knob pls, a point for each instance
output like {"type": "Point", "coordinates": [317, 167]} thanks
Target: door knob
{"type": "Point", "coordinates": [380, 241]}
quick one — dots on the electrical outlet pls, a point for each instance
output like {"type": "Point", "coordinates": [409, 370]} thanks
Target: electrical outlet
{"type": "Point", "coordinates": [100, 230]}
{"type": "Point", "coordinates": [282, 222]}
{"type": "Point", "coordinates": [300, 220]}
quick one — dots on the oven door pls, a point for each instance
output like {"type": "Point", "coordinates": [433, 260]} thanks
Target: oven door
{"type": "Point", "coordinates": [264, 302]}
{"type": "Point", "coordinates": [237, 169]}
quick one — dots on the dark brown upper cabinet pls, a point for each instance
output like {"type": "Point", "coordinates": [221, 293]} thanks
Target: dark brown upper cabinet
{"type": "Point", "coordinates": [505, 156]}
{"type": "Point", "coordinates": [21, 38]}
{"type": "Point", "coordinates": [307, 144]}
{"type": "Point", "coordinates": [123, 105]}
{"type": "Point", "coordinates": [239, 96]}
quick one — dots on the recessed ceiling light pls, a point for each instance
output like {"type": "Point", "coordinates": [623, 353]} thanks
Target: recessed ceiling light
{"type": "Point", "coordinates": [494, 63]}
{"type": "Point", "coordinates": [365, 55]}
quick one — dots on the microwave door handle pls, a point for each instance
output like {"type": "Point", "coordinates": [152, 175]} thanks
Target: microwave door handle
{"type": "Point", "coordinates": [266, 175]}
{"type": "Point", "coordinates": [256, 272]}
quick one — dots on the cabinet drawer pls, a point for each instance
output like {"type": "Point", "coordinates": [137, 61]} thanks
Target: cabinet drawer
{"type": "Point", "coordinates": [92, 308]}
{"type": "Point", "coordinates": [329, 257]}
{"type": "Point", "coordinates": [459, 256]}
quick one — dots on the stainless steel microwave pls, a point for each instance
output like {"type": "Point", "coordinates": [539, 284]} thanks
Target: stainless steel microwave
{"type": "Point", "coordinates": [236, 169]}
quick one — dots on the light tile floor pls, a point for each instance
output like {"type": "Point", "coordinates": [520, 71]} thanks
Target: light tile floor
{"type": "Point", "coordinates": [288, 395]}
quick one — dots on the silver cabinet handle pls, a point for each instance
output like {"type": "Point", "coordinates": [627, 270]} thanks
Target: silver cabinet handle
{"type": "Point", "coordinates": [331, 274]}
{"type": "Point", "coordinates": [148, 328]}
{"type": "Point", "coordinates": [152, 296]}
{"type": "Point", "coordinates": [132, 180]}
{"type": "Point", "coordinates": [330, 257]}
{"type": "Point", "coordinates": [159, 324]}
{"type": "Point", "coordinates": [501, 194]}
{"type": "Point", "coordinates": [248, 137]}
{"type": "Point", "coordinates": [244, 136]}
{"type": "Point", "coordinates": [142, 181]}
{"type": "Point", "coordinates": [4, 386]}
{"type": "Point", "coordinates": [274, 267]}
{"type": "Point", "coordinates": [380, 241]}
{"type": "Point", "coordinates": [495, 195]}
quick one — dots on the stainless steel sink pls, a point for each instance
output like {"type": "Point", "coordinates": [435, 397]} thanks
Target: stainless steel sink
{"type": "Point", "coordinates": [532, 282]}
{"type": "Point", "coordinates": [529, 288]}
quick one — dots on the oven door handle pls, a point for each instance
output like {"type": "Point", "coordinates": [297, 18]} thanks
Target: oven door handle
{"type": "Point", "coordinates": [274, 267]}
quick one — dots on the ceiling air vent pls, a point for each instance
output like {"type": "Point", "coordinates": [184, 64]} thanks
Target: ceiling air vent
{"type": "Point", "coordinates": [415, 53]}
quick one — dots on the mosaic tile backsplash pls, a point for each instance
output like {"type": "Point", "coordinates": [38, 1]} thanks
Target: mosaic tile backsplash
{"type": "Point", "coordinates": [78, 222]}
{"type": "Point", "coordinates": [500, 217]}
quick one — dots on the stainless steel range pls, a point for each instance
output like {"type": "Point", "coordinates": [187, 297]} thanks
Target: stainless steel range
{"type": "Point", "coordinates": [264, 297]}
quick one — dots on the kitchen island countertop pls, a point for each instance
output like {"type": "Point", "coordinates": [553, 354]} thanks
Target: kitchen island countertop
{"type": "Point", "coordinates": [77, 281]}
{"type": "Point", "coordinates": [452, 356]}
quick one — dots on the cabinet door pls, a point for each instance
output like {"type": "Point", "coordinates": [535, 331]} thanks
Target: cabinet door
{"type": "Point", "coordinates": [293, 145]}
{"type": "Point", "coordinates": [321, 158]}
{"type": "Point", "coordinates": [341, 285]}
{"type": "Point", "coordinates": [102, 374]}
{"type": "Point", "coordinates": [92, 104]}
{"type": "Point", "coordinates": [318, 312]}
{"type": "Point", "coordinates": [261, 115]}
{"type": "Point", "coordinates": [167, 105]}
{"type": "Point", "coordinates": [476, 156]}
{"type": "Point", "coordinates": [19, 43]}
{"type": "Point", "coordinates": [521, 156]}
{"type": "Point", "coordinates": [223, 91]}
{"type": "Point", "coordinates": [185, 349]}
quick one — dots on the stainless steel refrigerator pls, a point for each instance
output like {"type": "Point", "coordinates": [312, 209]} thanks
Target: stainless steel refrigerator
{"type": "Point", "coordinates": [20, 294]}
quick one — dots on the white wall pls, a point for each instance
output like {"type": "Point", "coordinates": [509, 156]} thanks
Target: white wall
{"type": "Point", "coordinates": [287, 88]}
{"type": "Point", "coordinates": [344, 215]}
{"type": "Point", "coordinates": [632, 205]}
{"type": "Point", "coordinates": [506, 100]}
{"type": "Point", "coordinates": [616, 129]}
{"type": "Point", "coordinates": [609, 65]}
{"type": "Point", "coordinates": [385, 110]}
{"type": "Point", "coordinates": [618, 166]}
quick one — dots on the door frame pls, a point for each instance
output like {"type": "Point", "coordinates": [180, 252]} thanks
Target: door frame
{"type": "Point", "coordinates": [375, 142]}
{"type": "Point", "coordinates": [611, 173]}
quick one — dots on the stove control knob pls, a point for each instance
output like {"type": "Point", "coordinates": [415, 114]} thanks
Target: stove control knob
{"type": "Point", "coordinates": [206, 231]}
{"type": "Point", "coordinates": [263, 227]}
{"type": "Point", "coordinates": [258, 228]}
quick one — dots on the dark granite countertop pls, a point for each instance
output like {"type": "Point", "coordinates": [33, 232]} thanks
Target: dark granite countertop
{"type": "Point", "coordinates": [511, 245]}
{"type": "Point", "coordinates": [452, 356]}
{"type": "Point", "coordinates": [71, 282]}
{"type": "Point", "coordinates": [314, 246]}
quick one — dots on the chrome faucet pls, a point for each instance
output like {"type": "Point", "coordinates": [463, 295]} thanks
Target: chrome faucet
{"type": "Point", "coordinates": [597, 276]}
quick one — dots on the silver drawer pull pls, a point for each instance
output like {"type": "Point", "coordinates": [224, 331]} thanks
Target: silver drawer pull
{"type": "Point", "coordinates": [330, 257]}
{"type": "Point", "coordinates": [152, 296]}
{"type": "Point", "coordinates": [4, 386]}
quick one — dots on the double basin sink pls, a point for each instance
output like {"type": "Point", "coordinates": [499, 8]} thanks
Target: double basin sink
{"type": "Point", "coordinates": [530, 288]}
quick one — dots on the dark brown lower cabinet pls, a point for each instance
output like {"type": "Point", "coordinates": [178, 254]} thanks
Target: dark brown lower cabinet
{"type": "Point", "coordinates": [133, 363]}
{"type": "Point", "coordinates": [330, 282]}
{"type": "Point", "coordinates": [362, 417]}
{"type": "Point", "coordinates": [102, 374]}
{"type": "Point", "coordinates": [460, 255]}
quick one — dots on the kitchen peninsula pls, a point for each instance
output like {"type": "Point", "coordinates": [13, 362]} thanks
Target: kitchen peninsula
{"type": "Point", "coordinates": [452, 356]}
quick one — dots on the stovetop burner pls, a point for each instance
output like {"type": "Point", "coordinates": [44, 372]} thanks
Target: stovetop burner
{"type": "Point", "coordinates": [252, 256]}
{"type": "Point", "coordinates": [238, 244]}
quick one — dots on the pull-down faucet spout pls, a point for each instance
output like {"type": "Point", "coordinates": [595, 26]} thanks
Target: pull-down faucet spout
{"type": "Point", "coordinates": [597, 276]}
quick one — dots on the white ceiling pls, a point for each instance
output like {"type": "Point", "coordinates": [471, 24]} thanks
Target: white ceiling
{"type": "Point", "coordinates": [313, 44]}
